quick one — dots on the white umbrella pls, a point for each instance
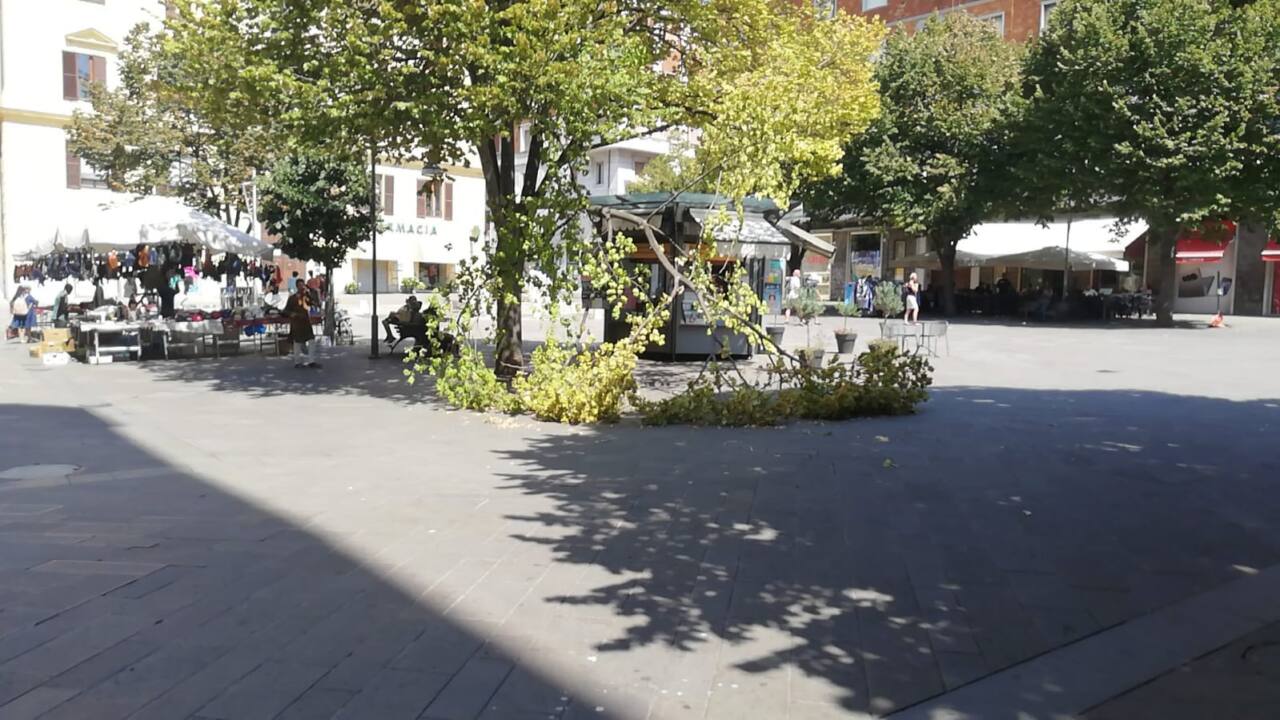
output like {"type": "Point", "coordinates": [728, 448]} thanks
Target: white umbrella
{"type": "Point", "coordinates": [158, 220]}
{"type": "Point", "coordinates": [1055, 257]}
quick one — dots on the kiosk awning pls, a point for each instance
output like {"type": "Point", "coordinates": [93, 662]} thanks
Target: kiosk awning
{"type": "Point", "coordinates": [807, 240]}
{"type": "Point", "coordinates": [744, 236]}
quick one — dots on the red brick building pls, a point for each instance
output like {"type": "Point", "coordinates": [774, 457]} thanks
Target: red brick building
{"type": "Point", "coordinates": [1016, 19]}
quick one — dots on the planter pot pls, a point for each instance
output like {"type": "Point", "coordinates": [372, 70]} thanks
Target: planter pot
{"type": "Point", "coordinates": [776, 332]}
{"type": "Point", "coordinates": [845, 342]}
{"type": "Point", "coordinates": [812, 357]}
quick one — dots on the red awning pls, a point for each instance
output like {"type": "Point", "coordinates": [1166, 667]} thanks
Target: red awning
{"type": "Point", "coordinates": [1207, 245]}
{"type": "Point", "coordinates": [1271, 251]}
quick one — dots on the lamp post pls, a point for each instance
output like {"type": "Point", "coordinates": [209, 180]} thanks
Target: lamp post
{"type": "Point", "coordinates": [373, 241]}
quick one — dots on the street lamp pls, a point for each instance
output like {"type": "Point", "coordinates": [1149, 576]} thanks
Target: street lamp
{"type": "Point", "coordinates": [375, 212]}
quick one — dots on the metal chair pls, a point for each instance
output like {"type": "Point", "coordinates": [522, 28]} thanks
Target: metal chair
{"type": "Point", "coordinates": [931, 332]}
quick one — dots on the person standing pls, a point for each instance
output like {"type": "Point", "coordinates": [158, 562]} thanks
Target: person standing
{"type": "Point", "coordinates": [794, 285]}
{"type": "Point", "coordinates": [21, 307]}
{"type": "Point", "coordinates": [912, 292]}
{"type": "Point", "coordinates": [298, 310]}
{"type": "Point", "coordinates": [293, 283]}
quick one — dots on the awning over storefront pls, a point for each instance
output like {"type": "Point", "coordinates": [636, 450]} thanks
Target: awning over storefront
{"type": "Point", "coordinates": [930, 261]}
{"type": "Point", "coordinates": [1056, 258]}
{"type": "Point", "coordinates": [1271, 251]}
{"type": "Point", "coordinates": [1207, 245]}
{"type": "Point", "coordinates": [1200, 250]}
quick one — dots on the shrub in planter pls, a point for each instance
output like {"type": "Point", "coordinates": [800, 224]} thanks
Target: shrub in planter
{"type": "Point", "coordinates": [846, 339]}
{"type": "Point", "coordinates": [351, 288]}
{"type": "Point", "coordinates": [807, 308]}
{"type": "Point", "coordinates": [889, 299]}
{"type": "Point", "coordinates": [411, 284]}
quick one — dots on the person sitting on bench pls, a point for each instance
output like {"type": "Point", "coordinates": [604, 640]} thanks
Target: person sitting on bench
{"type": "Point", "coordinates": [409, 315]}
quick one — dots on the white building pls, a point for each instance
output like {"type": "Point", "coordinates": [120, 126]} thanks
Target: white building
{"type": "Point", "coordinates": [50, 50]}
{"type": "Point", "coordinates": [428, 227]}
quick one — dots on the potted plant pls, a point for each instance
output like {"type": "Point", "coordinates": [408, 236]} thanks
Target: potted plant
{"type": "Point", "coordinates": [807, 308]}
{"type": "Point", "coordinates": [846, 339]}
{"type": "Point", "coordinates": [889, 299]}
{"type": "Point", "coordinates": [351, 288]}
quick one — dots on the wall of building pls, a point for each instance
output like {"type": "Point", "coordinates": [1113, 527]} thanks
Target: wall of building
{"type": "Point", "coordinates": [1020, 18]}
{"type": "Point", "coordinates": [408, 242]}
{"type": "Point", "coordinates": [34, 197]}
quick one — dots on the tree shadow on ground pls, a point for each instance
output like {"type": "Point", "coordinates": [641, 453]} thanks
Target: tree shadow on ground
{"type": "Point", "coordinates": [132, 588]}
{"type": "Point", "coordinates": [880, 562]}
{"type": "Point", "coordinates": [347, 371]}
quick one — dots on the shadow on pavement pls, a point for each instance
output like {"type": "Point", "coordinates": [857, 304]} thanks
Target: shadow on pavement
{"type": "Point", "coordinates": [880, 562]}
{"type": "Point", "coordinates": [134, 589]}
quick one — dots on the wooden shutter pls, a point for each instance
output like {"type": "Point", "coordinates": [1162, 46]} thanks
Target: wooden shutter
{"type": "Point", "coordinates": [517, 138]}
{"type": "Point", "coordinates": [448, 201]}
{"type": "Point", "coordinates": [73, 170]}
{"type": "Point", "coordinates": [388, 195]}
{"type": "Point", "coordinates": [98, 70]}
{"type": "Point", "coordinates": [422, 198]}
{"type": "Point", "coordinates": [70, 81]}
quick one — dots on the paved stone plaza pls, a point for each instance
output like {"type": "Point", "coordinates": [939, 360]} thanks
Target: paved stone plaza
{"type": "Point", "coordinates": [1074, 515]}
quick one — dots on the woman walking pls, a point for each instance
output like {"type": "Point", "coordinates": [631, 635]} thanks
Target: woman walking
{"type": "Point", "coordinates": [912, 292]}
{"type": "Point", "coordinates": [794, 285]}
{"type": "Point", "coordinates": [298, 310]}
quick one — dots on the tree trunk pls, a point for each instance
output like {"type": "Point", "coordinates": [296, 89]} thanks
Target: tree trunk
{"type": "Point", "coordinates": [947, 258]}
{"type": "Point", "coordinates": [509, 354]}
{"type": "Point", "coordinates": [1161, 246]}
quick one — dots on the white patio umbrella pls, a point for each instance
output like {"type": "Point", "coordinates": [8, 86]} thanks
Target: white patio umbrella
{"type": "Point", "coordinates": [158, 220]}
{"type": "Point", "coordinates": [1055, 257]}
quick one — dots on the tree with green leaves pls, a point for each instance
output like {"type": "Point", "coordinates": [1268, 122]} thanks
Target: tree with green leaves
{"type": "Point", "coordinates": [153, 133]}
{"type": "Point", "coordinates": [772, 92]}
{"type": "Point", "coordinates": [1163, 111]}
{"type": "Point", "coordinates": [932, 165]}
{"type": "Point", "coordinates": [318, 205]}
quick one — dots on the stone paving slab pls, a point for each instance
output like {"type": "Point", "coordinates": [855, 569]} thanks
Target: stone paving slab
{"type": "Point", "coordinates": [391, 557]}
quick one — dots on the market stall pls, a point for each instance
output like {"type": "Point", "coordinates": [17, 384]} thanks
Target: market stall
{"type": "Point", "coordinates": [165, 278]}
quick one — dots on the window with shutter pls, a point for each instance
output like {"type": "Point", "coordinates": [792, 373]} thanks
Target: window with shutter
{"type": "Point", "coordinates": [387, 201]}
{"type": "Point", "coordinates": [73, 170]}
{"type": "Point", "coordinates": [423, 192]}
{"type": "Point", "coordinates": [448, 201]}
{"type": "Point", "coordinates": [70, 81]}
{"type": "Point", "coordinates": [79, 71]}
{"type": "Point", "coordinates": [517, 139]}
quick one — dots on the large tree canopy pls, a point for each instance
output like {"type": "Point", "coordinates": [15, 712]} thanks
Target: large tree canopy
{"type": "Point", "coordinates": [1159, 110]}
{"type": "Point", "coordinates": [772, 94]}
{"type": "Point", "coordinates": [156, 131]}
{"type": "Point", "coordinates": [933, 163]}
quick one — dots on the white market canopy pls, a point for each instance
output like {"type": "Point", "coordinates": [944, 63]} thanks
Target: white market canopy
{"type": "Point", "coordinates": [158, 220]}
{"type": "Point", "coordinates": [1084, 243]}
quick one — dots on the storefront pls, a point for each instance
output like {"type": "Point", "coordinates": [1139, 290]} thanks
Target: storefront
{"type": "Point", "coordinates": [1206, 272]}
{"type": "Point", "coordinates": [425, 234]}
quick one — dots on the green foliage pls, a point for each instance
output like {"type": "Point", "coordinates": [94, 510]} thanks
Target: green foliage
{"type": "Point", "coordinates": [884, 381]}
{"type": "Point", "coordinates": [848, 309]}
{"type": "Point", "coordinates": [888, 299]}
{"type": "Point", "coordinates": [446, 81]}
{"type": "Point", "coordinates": [411, 284]}
{"type": "Point", "coordinates": [882, 344]}
{"type": "Point", "coordinates": [934, 163]}
{"type": "Point", "coordinates": [577, 386]}
{"type": "Point", "coordinates": [318, 204]}
{"type": "Point", "coordinates": [155, 131]}
{"type": "Point", "coordinates": [352, 288]}
{"type": "Point", "coordinates": [464, 381]}
{"type": "Point", "coordinates": [1160, 110]}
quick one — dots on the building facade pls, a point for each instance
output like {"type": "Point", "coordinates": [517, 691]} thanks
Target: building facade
{"type": "Point", "coordinates": [50, 51]}
{"type": "Point", "coordinates": [1016, 20]}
